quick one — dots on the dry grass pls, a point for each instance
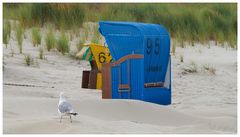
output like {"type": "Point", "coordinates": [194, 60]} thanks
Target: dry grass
{"type": "Point", "coordinates": [191, 68]}
{"type": "Point", "coordinates": [209, 68]}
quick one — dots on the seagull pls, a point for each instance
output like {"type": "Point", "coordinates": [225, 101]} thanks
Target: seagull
{"type": "Point", "coordinates": [65, 108]}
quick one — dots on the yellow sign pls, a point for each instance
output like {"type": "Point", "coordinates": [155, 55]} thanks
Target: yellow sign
{"type": "Point", "coordinates": [101, 54]}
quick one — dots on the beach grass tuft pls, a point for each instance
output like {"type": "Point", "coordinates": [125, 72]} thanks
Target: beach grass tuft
{"type": "Point", "coordinates": [6, 32]}
{"type": "Point", "coordinates": [19, 36]}
{"type": "Point", "coordinates": [50, 40]}
{"type": "Point", "coordinates": [28, 59]}
{"type": "Point", "coordinates": [41, 55]}
{"type": "Point", "coordinates": [181, 58]}
{"type": "Point", "coordinates": [80, 44]}
{"type": "Point", "coordinates": [36, 37]}
{"type": "Point", "coordinates": [86, 31]}
{"type": "Point", "coordinates": [209, 68]}
{"type": "Point", "coordinates": [62, 44]}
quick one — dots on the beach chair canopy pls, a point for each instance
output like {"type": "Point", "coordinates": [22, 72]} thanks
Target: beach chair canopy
{"type": "Point", "coordinates": [150, 40]}
{"type": "Point", "coordinates": [85, 53]}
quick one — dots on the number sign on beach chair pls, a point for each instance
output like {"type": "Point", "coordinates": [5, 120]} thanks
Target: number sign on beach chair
{"type": "Point", "coordinates": [97, 55]}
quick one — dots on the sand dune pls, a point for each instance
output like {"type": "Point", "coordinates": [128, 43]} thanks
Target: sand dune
{"type": "Point", "coordinates": [39, 115]}
{"type": "Point", "coordinates": [202, 102]}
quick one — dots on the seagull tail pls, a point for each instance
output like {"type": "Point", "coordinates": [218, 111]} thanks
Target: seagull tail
{"type": "Point", "coordinates": [74, 113]}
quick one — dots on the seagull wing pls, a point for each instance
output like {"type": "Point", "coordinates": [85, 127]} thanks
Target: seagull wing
{"type": "Point", "coordinates": [65, 107]}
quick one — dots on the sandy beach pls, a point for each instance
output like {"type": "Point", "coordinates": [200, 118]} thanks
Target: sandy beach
{"type": "Point", "coordinates": [202, 102]}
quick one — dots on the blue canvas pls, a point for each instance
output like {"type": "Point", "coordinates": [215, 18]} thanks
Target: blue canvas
{"type": "Point", "coordinates": [153, 42]}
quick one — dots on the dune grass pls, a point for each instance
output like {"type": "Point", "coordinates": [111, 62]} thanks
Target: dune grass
{"type": "Point", "coordinates": [50, 40]}
{"type": "Point", "coordinates": [41, 55]}
{"type": "Point", "coordinates": [209, 68]}
{"type": "Point", "coordinates": [12, 52]}
{"type": "Point", "coordinates": [86, 31]}
{"type": "Point", "coordinates": [181, 58]}
{"type": "Point", "coordinates": [95, 31]}
{"type": "Point", "coordinates": [36, 37]}
{"type": "Point", "coordinates": [6, 32]}
{"type": "Point", "coordinates": [191, 68]}
{"type": "Point", "coordinates": [79, 45]}
{"type": "Point", "coordinates": [19, 36]}
{"type": "Point", "coordinates": [62, 44]}
{"type": "Point", "coordinates": [173, 46]}
{"type": "Point", "coordinates": [36, 14]}
{"type": "Point", "coordinates": [190, 23]}
{"type": "Point", "coordinates": [95, 39]}
{"type": "Point", "coordinates": [28, 59]}
{"type": "Point", "coordinates": [5, 37]}
{"type": "Point", "coordinates": [96, 34]}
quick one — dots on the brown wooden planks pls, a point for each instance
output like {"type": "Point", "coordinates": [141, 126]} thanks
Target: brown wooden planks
{"type": "Point", "coordinates": [85, 79]}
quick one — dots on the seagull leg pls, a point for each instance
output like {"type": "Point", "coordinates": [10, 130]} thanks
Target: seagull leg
{"type": "Point", "coordinates": [71, 118]}
{"type": "Point", "coordinates": [61, 119]}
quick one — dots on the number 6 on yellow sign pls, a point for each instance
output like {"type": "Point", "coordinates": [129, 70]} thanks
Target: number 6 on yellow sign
{"type": "Point", "coordinates": [102, 55]}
